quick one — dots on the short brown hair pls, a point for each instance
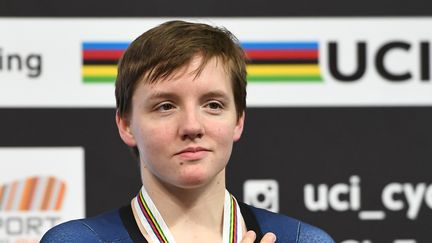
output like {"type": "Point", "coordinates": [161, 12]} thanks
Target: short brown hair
{"type": "Point", "coordinates": [160, 51]}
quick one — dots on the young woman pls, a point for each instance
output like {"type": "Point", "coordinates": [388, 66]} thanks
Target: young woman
{"type": "Point", "coordinates": [181, 98]}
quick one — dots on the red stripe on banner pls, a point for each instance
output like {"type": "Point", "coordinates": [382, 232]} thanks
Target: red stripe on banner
{"type": "Point", "coordinates": [140, 203]}
{"type": "Point", "coordinates": [281, 54]}
{"type": "Point", "coordinates": [102, 55]}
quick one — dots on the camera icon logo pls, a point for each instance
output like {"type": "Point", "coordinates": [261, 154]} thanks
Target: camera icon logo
{"type": "Point", "coordinates": [262, 194]}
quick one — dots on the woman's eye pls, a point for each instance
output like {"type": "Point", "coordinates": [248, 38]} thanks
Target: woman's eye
{"type": "Point", "coordinates": [214, 105]}
{"type": "Point", "coordinates": [166, 107]}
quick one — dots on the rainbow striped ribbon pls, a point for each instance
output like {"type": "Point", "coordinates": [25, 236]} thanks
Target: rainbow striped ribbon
{"type": "Point", "coordinates": [158, 231]}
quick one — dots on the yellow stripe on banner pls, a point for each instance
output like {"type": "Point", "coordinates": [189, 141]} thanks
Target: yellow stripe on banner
{"type": "Point", "coordinates": [283, 69]}
{"type": "Point", "coordinates": [99, 70]}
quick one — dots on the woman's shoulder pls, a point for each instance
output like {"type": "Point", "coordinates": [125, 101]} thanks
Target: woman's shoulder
{"type": "Point", "coordinates": [106, 227]}
{"type": "Point", "coordinates": [288, 229]}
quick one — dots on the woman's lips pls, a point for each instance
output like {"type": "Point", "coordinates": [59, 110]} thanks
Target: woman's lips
{"type": "Point", "coordinates": [193, 153]}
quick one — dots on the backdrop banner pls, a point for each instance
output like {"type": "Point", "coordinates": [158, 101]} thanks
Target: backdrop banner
{"type": "Point", "coordinates": [340, 139]}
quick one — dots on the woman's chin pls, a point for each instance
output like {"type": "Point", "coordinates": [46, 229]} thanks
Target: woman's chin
{"type": "Point", "coordinates": [193, 182]}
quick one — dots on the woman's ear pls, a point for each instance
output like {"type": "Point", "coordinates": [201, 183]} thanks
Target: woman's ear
{"type": "Point", "coordinates": [238, 130]}
{"type": "Point", "coordinates": [123, 126]}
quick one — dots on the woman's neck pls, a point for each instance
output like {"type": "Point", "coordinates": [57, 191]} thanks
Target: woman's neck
{"type": "Point", "coordinates": [189, 208]}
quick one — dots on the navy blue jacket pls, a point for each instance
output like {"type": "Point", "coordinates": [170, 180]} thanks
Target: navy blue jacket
{"type": "Point", "coordinates": [119, 226]}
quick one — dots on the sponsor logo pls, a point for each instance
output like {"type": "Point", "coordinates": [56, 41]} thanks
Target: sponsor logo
{"type": "Point", "coordinates": [262, 194]}
{"type": "Point", "coordinates": [287, 61]}
{"type": "Point", "coordinates": [32, 199]}
{"type": "Point", "coordinates": [383, 61]}
{"type": "Point", "coordinates": [32, 194]}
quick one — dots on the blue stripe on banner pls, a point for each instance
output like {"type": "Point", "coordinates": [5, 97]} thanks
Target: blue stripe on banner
{"type": "Point", "coordinates": [245, 45]}
{"type": "Point", "coordinates": [105, 45]}
{"type": "Point", "coordinates": [279, 45]}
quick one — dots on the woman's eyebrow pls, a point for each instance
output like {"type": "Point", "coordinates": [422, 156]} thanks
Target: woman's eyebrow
{"type": "Point", "coordinates": [157, 95]}
{"type": "Point", "coordinates": [215, 94]}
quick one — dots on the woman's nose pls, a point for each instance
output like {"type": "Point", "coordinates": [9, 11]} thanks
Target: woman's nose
{"type": "Point", "coordinates": [191, 126]}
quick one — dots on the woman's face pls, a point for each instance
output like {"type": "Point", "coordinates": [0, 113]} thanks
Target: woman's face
{"type": "Point", "coordinates": [184, 126]}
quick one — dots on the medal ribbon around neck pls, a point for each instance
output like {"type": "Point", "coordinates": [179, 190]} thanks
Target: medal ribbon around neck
{"type": "Point", "coordinates": [158, 231]}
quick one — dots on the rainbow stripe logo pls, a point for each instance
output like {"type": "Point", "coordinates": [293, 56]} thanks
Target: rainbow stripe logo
{"type": "Point", "coordinates": [100, 61]}
{"type": "Point", "coordinates": [282, 61]}
{"type": "Point", "coordinates": [32, 194]}
{"type": "Point", "coordinates": [268, 61]}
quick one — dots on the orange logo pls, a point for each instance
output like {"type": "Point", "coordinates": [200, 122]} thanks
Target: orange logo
{"type": "Point", "coordinates": [32, 194]}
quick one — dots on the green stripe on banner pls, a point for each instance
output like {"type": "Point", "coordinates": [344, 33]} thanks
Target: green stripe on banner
{"type": "Point", "coordinates": [250, 78]}
{"type": "Point", "coordinates": [291, 79]}
{"type": "Point", "coordinates": [99, 79]}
